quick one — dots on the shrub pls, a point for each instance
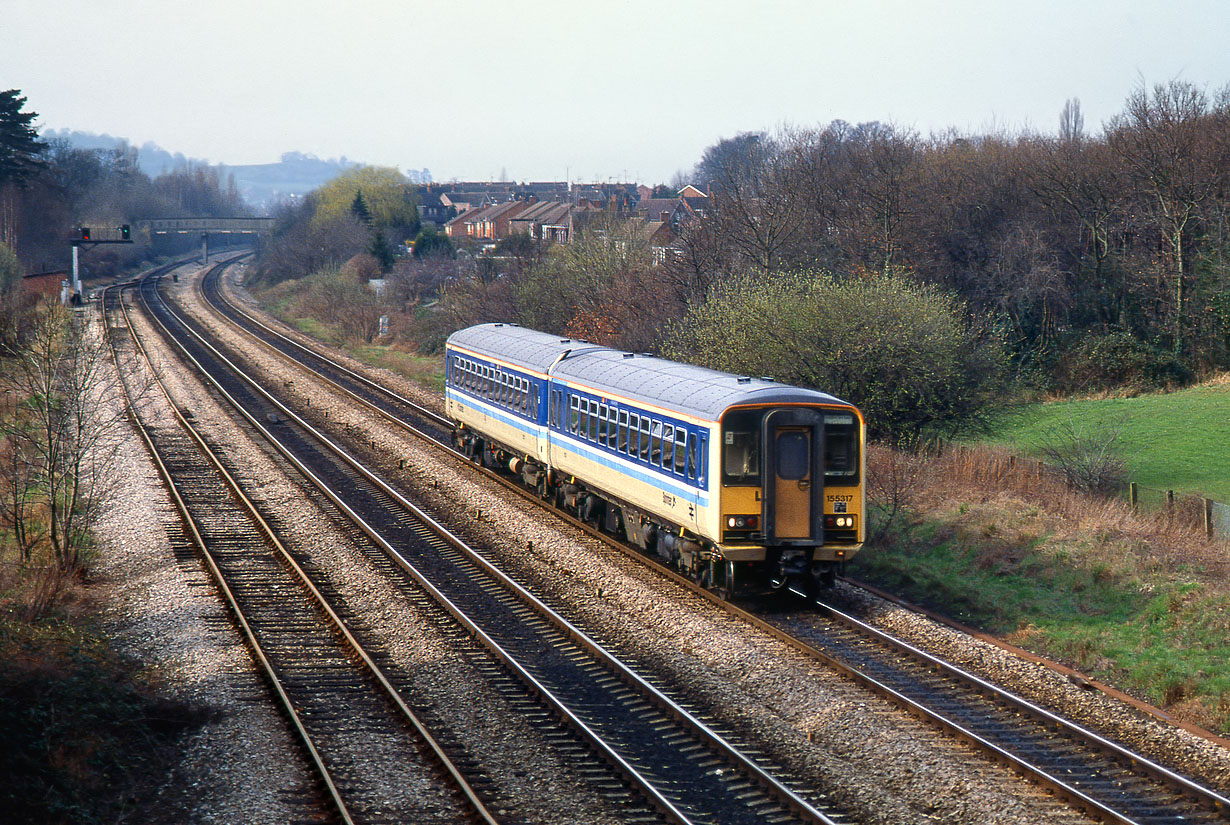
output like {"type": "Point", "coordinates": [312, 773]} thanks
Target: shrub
{"type": "Point", "coordinates": [903, 352]}
{"type": "Point", "coordinates": [1100, 361]}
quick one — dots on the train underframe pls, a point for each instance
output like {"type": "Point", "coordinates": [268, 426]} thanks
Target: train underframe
{"type": "Point", "coordinates": [691, 555]}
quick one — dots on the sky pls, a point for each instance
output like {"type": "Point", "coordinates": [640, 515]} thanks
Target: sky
{"type": "Point", "coordinates": [581, 90]}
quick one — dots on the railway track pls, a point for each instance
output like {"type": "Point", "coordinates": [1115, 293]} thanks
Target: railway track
{"type": "Point", "coordinates": [1104, 779]}
{"type": "Point", "coordinates": [654, 757]}
{"type": "Point", "coordinates": [341, 706]}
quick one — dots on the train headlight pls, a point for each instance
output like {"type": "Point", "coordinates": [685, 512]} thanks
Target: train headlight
{"type": "Point", "coordinates": [742, 522]}
{"type": "Point", "coordinates": [839, 522]}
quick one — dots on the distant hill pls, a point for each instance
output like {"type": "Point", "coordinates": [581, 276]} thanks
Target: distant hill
{"type": "Point", "coordinates": [262, 185]}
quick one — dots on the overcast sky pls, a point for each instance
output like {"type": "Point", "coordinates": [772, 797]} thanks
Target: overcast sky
{"type": "Point", "coordinates": [580, 89]}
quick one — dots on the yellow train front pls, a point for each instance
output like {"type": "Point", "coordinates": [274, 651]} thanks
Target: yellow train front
{"type": "Point", "coordinates": [743, 483]}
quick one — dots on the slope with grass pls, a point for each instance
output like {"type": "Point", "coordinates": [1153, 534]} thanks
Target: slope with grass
{"type": "Point", "coordinates": [1137, 602]}
{"type": "Point", "coordinates": [1171, 441]}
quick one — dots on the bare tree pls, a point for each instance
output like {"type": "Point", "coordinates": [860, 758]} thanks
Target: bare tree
{"type": "Point", "coordinates": [59, 431]}
{"type": "Point", "coordinates": [1180, 164]}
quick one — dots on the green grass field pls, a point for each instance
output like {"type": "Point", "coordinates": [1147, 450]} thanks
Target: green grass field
{"type": "Point", "coordinates": [1171, 441]}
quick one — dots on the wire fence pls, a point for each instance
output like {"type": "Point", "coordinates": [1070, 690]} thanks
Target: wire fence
{"type": "Point", "coordinates": [1194, 511]}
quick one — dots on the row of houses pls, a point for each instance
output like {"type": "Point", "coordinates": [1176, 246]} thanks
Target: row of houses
{"type": "Point", "coordinates": [486, 220]}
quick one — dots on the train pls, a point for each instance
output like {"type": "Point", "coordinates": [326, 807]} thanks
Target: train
{"type": "Point", "coordinates": [745, 484]}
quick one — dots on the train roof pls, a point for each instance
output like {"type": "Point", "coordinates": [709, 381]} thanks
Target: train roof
{"type": "Point", "coordinates": [692, 390]}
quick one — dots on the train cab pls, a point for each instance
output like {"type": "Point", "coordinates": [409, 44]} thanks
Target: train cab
{"type": "Point", "coordinates": [791, 488]}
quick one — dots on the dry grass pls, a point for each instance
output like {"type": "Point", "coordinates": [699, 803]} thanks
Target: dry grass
{"type": "Point", "coordinates": [1167, 542]}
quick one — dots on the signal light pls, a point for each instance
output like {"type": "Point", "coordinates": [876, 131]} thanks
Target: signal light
{"type": "Point", "coordinates": [85, 233]}
{"type": "Point", "coordinates": [124, 233]}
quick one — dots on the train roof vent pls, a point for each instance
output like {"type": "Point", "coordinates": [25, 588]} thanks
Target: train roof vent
{"type": "Point", "coordinates": [565, 340]}
{"type": "Point", "coordinates": [745, 379]}
{"type": "Point", "coordinates": [768, 378]}
{"type": "Point", "coordinates": [629, 355]}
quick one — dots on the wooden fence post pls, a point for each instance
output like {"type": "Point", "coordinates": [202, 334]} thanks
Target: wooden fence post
{"type": "Point", "coordinates": [1132, 495]}
{"type": "Point", "coordinates": [1208, 517]}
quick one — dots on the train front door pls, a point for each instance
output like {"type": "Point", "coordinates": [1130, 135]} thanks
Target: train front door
{"type": "Point", "coordinates": [793, 482]}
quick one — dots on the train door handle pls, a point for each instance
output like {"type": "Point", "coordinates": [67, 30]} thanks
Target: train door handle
{"type": "Point", "coordinates": [804, 484]}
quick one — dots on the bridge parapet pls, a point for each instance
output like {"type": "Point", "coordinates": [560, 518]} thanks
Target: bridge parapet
{"type": "Point", "coordinates": [218, 226]}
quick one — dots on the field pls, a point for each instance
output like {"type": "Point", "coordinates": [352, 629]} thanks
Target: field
{"type": "Point", "coordinates": [1171, 441]}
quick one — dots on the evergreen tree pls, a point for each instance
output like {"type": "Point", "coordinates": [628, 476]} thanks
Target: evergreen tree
{"type": "Point", "coordinates": [381, 251]}
{"type": "Point", "coordinates": [20, 148]}
{"type": "Point", "coordinates": [358, 208]}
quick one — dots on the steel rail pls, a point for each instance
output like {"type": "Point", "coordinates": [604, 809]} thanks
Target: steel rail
{"type": "Point", "coordinates": [237, 614]}
{"type": "Point", "coordinates": [1183, 785]}
{"type": "Point", "coordinates": [322, 603]}
{"type": "Point", "coordinates": [716, 741]}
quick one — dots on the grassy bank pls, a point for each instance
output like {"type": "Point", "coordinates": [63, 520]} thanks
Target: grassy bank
{"type": "Point", "coordinates": [1130, 600]}
{"type": "Point", "coordinates": [286, 303]}
{"type": "Point", "coordinates": [1171, 441]}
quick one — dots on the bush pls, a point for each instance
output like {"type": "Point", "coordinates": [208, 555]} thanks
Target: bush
{"type": "Point", "coordinates": [902, 352]}
{"type": "Point", "coordinates": [1118, 360]}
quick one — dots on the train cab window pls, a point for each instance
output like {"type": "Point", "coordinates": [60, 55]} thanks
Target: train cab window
{"type": "Point", "coordinates": [681, 450]}
{"type": "Point", "coordinates": [593, 420]}
{"type": "Point", "coordinates": [841, 460]}
{"type": "Point", "coordinates": [622, 444]}
{"type": "Point", "coordinates": [741, 448]}
{"type": "Point", "coordinates": [644, 439]}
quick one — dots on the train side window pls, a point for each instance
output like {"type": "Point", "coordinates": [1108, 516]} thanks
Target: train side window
{"type": "Point", "coordinates": [693, 464]}
{"type": "Point", "coordinates": [534, 401]}
{"type": "Point", "coordinates": [644, 439]}
{"type": "Point", "coordinates": [681, 450]}
{"type": "Point", "coordinates": [603, 412]}
{"type": "Point", "coordinates": [655, 444]}
{"type": "Point", "coordinates": [622, 444]}
{"type": "Point", "coordinates": [668, 447]}
{"type": "Point", "coordinates": [593, 420]}
{"type": "Point", "coordinates": [574, 414]}
{"type": "Point", "coordinates": [612, 427]}
{"type": "Point", "coordinates": [634, 433]}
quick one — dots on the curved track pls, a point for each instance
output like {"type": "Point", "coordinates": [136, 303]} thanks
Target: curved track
{"type": "Point", "coordinates": [312, 662]}
{"type": "Point", "coordinates": [680, 766]}
{"type": "Point", "coordinates": [1106, 780]}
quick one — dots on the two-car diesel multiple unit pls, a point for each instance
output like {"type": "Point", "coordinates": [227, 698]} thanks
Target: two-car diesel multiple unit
{"type": "Point", "coordinates": [743, 483]}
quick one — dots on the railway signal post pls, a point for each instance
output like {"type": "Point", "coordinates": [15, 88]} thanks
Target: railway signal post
{"type": "Point", "coordinates": [87, 237]}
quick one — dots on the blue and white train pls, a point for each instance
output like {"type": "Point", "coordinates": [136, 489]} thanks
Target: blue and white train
{"type": "Point", "coordinates": [743, 483]}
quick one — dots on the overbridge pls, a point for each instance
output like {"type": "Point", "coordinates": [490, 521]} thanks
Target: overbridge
{"type": "Point", "coordinates": [215, 226]}
{"type": "Point", "coordinates": [209, 226]}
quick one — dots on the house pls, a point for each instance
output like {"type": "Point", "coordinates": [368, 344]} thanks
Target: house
{"type": "Point", "coordinates": [486, 223]}
{"type": "Point", "coordinates": [551, 221]}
